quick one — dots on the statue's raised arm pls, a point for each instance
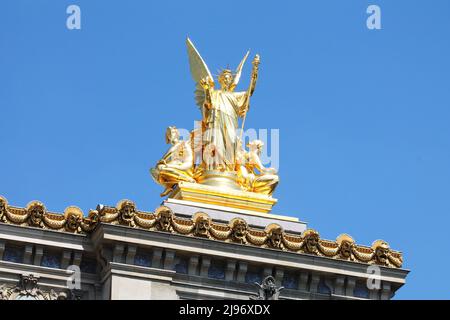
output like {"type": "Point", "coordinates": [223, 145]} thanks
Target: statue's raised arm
{"type": "Point", "coordinates": [253, 78]}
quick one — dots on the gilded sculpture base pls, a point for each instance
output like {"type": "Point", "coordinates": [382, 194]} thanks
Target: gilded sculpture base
{"type": "Point", "coordinates": [222, 196]}
{"type": "Point", "coordinates": [219, 179]}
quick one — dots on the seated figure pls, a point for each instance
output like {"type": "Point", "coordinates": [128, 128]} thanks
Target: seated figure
{"type": "Point", "coordinates": [265, 179]}
{"type": "Point", "coordinates": [245, 178]}
{"type": "Point", "coordinates": [176, 165]}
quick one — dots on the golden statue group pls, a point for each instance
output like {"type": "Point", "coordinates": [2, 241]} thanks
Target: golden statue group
{"type": "Point", "coordinates": [214, 154]}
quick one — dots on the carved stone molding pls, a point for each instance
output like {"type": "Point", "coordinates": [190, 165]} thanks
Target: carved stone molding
{"type": "Point", "coordinates": [28, 289]}
{"type": "Point", "coordinates": [201, 225]}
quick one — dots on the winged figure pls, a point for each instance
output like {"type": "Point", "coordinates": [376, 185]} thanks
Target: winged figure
{"type": "Point", "coordinates": [221, 109]}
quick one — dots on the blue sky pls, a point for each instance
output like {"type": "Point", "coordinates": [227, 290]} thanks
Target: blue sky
{"type": "Point", "coordinates": [363, 114]}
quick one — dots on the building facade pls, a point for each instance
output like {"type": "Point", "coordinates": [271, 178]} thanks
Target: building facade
{"type": "Point", "coordinates": [182, 250]}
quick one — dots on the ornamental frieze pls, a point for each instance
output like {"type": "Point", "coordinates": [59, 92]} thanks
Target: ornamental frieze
{"type": "Point", "coordinates": [200, 225]}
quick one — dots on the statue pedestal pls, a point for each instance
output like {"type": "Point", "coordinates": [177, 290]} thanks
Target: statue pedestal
{"type": "Point", "coordinates": [220, 180]}
{"type": "Point", "coordinates": [222, 196]}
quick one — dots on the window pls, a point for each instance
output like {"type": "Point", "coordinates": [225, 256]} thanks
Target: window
{"type": "Point", "coordinates": [216, 270]}
{"type": "Point", "coordinates": [324, 287]}
{"type": "Point", "coordinates": [253, 275]}
{"type": "Point", "coordinates": [51, 259]}
{"type": "Point", "coordinates": [361, 290]}
{"type": "Point", "coordinates": [143, 259]}
{"type": "Point", "coordinates": [182, 265]}
{"type": "Point", "coordinates": [290, 281]}
{"type": "Point", "coordinates": [13, 253]}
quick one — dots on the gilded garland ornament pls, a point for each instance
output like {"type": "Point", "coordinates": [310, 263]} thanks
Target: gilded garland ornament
{"type": "Point", "coordinates": [201, 226]}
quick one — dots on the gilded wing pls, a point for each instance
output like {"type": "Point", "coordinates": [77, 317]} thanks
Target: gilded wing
{"type": "Point", "coordinates": [199, 70]}
{"type": "Point", "coordinates": [238, 72]}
